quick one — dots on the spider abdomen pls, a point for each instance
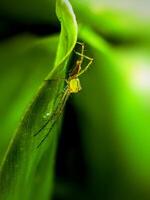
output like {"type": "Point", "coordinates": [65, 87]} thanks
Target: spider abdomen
{"type": "Point", "coordinates": [74, 85]}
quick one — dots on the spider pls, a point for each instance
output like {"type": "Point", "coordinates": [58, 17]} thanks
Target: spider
{"type": "Point", "coordinates": [73, 86]}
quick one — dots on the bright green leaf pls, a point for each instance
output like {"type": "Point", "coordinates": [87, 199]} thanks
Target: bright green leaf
{"type": "Point", "coordinates": [27, 171]}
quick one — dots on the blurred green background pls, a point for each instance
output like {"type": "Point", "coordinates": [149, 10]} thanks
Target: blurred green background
{"type": "Point", "coordinates": [103, 150]}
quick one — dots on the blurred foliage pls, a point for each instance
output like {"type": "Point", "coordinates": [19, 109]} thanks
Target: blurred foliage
{"type": "Point", "coordinates": [104, 146]}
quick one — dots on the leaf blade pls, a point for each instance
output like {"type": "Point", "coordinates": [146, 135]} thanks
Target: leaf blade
{"type": "Point", "coordinates": [23, 170]}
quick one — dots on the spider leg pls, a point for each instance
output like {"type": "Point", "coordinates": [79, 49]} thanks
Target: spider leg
{"type": "Point", "coordinates": [87, 66]}
{"type": "Point", "coordinates": [55, 79]}
{"type": "Point", "coordinates": [44, 125]}
{"type": "Point", "coordinates": [80, 43]}
{"type": "Point", "coordinates": [56, 115]}
{"type": "Point", "coordinates": [62, 102]}
{"type": "Point", "coordinates": [44, 138]}
{"type": "Point", "coordinates": [63, 91]}
{"type": "Point", "coordinates": [53, 114]}
{"type": "Point", "coordinates": [82, 51]}
{"type": "Point", "coordinates": [78, 64]}
{"type": "Point", "coordinates": [84, 56]}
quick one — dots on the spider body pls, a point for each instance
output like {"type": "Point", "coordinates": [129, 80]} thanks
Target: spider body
{"type": "Point", "coordinates": [73, 86]}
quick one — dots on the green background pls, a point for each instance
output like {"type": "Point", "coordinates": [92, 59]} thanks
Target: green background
{"type": "Point", "coordinates": [100, 148]}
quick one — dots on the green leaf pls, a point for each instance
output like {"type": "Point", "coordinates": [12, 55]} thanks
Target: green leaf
{"type": "Point", "coordinates": [21, 75]}
{"type": "Point", "coordinates": [27, 171]}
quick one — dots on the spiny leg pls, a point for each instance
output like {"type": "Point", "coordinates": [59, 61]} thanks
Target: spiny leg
{"type": "Point", "coordinates": [82, 51]}
{"type": "Point", "coordinates": [44, 138]}
{"type": "Point", "coordinates": [87, 66]}
{"type": "Point", "coordinates": [78, 64]}
{"type": "Point", "coordinates": [44, 125]}
{"type": "Point", "coordinates": [57, 115]}
{"type": "Point", "coordinates": [61, 103]}
{"type": "Point", "coordinates": [51, 117]}
{"type": "Point", "coordinates": [85, 69]}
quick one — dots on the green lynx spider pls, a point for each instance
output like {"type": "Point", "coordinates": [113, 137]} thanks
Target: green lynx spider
{"type": "Point", "coordinates": [73, 86]}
